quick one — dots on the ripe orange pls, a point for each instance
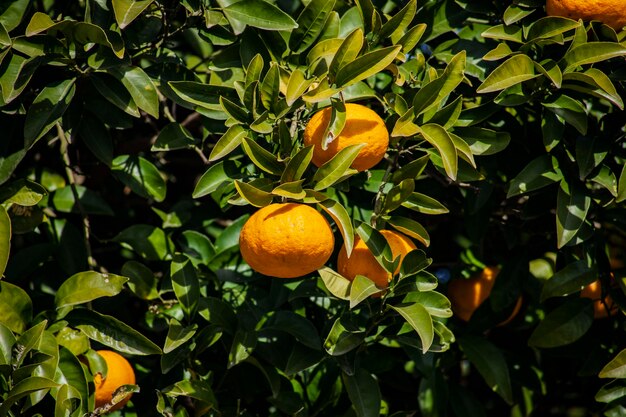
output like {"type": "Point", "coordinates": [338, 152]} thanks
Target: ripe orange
{"type": "Point", "coordinates": [611, 12]}
{"type": "Point", "coordinates": [594, 292]}
{"type": "Point", "coordinates": [363, 262]}
{"type": "Point", "coordinates": [286, 240]}
{"type": "Point", "coordinates": [362, 125]}
{"type": "Point", "coordinates": [466, 295]}
{"type": "Point", "coordinates": [120, 372]}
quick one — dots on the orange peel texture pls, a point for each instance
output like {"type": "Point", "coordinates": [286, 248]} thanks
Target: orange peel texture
{"type": "Point", "coordinates": [119, 372]}
{"type": "Point", "coordinates": [611, 12]}
{"type": "Point", "coordinates": [362, 125]}
{"type": "Point", "coordinates": [286, 240]}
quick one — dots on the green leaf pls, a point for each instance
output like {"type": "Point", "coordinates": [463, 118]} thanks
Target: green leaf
{"type": "Point", "coordinates": [590, 53]}
{"type": "Point", "coordinates": [173, 136]}
{"type": "Point", "coordinates": [347, 52]}
{"type": "Point", "coordinates": [398, 194]}
{"type": "Point", "coordinates": [243, 345]}
{"type": "Point", "coordinates": [512, 33]}
{"type": "Point", "coordinates": [570, 110]}
{"type": "Point", "coordinates": [539, 173]}
{"type": "Point", "coordinates": [335, 169]}
{"type": "Point", "coordinates": [514, 13]}
{"type": "Point", "coordinates": [484, 141]}
{"type": "Point", "coordinates": [97, 138]}
{"type": "Point", "coordinates": [395, 27]}
{"type": "Point", "coordinates": [410, 228]}
{"type": "Point", "coordinates": [514, 70]}
{"type": "Point", "coordinates": [568, 280]}
{"type": "Point", "coordinates": [343, 337]}
{"type": "Point", "coordinates": [228, 142]}
{"type": "Point", "coordinates": [343, 221]}
{"type": "Point", "coordinates": [270, 87]}
{"type": "Point", "coordinates": [291, 190]}
{"type": "Point", "coordinates": [610, 392]}
{"type": "Point", "coordinates": [17, 74]}
{"type": "Point", "coordinates": [199, 390]}
{"type": "Point", "coordinates": [261, 158]}
{"type": "Point", "coordinates": [5, 239]}
{"type": "Point", "coordinates": [47, 109]}
{"type": "Point", "coordinates": [115, 92]}
{"type": "Point", "coordinates": [90, 201]}
{"type": "Point", "coordinates": [297, 165]}
{"type": "Point", "coordinates": [616, 368]}
{"type": "Point", "coordinates": [601, 85]}
{"type": "Point", "coordinates": [185, 283]}
{"type": "Point", "coordinates": [23, 388]}
{"type": "Point", "coordinates": [338, 285]}
{"type": "Point", "coordinates": [364, 393]}
{"type": "Point", "coordinates": [409, 40]}
{"type": "Point", "coordinates": [361, 288]}
{"type": "Point", "coordinates": [260, 14]}
{"type": "Point", "coordinates": [16, 308]}
{"type": "Point", "coordinates": [550, 26]}
{"type": "Point", "coordinates": [572, 205]}
{"type": "Point", "coordinates": [140, 175]}
{"type": "Point", "coordinates": [310, 23]}
{"type": "Point", "coordinates": [128, 10]}
{"type": "Point", "coordinates": [297, 86]}
{"type": "Point", "coordinates": [564, 325]}
{"type": "Point", "coordinates": [366, 65]}
{"type": "Point", "coordinates": [440, 138]}
{"type": "Point", "coordinates": [424, 204]}
{"type": "Point", "coordinates": [294, 324]}
{"type": "Point", "coordinates": [140, 86]}
{"type": "Point", "coordinates": [253, 195]}
{"type": "Point", "coordinates": [111, 332]}
{"type": "Point", "coordinates": [177, 335]}
{"type": "Point", "coordinates": [23, 192]}
{"type": "Point", "coordinates": [433, 93]}
{"type": "Point", "coordinates": [141, 280]}
{"type": "Point", "coordinates": [491, 364]}
{"type": "Point", "coordinates": [621, 193]}
{"type": "Point", "coordinates": [420, 320]}
{"type": "Point", "coordinates": [87, 286]}
{"type": "Point", "coordinates": [215, 176]}
{"type": "Point", "coordinates": [336, 123]}
{"type": "Point", "coordinates": [205, 96]}
{"type": "Point", "coordinates": [149, 242]}
{"type": "Point", "coordinates": [12, 13]}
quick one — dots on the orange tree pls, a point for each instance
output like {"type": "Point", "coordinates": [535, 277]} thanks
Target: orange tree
{"type": "Point", "coordinates": [139, 136]}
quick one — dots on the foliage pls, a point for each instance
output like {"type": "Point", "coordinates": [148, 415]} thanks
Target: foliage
{"type": "Point", "coordinates": [139, 135]}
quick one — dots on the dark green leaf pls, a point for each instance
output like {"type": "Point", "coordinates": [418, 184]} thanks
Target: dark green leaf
{"type": "Point", "coordinates": [253, 195]}
{"type": "Point", "coordinates": [336, 169]}
{"type": "Point", "coordinates": [149, 242]}
{"type": "Point", "coordinates": [410, 228]}
{"type": "Point", "coordinates": [173, 136]}
{"type": "Point", "coordinates": [571, 110]}
{"type": "Point", "coordinates": [366, 65]}
{"type": "Point", "coordinates": [46, 110]}
{"type": "Point", "coordinates": [490, 362]}
{"type": "Point", "coordinates": [564, 325]}
{"type": "Point", "coordinates": [539, 173]}
{"type": "Point", "coordinates": [364, 393]}
{"type": "Point", "coordinates": [310, 22]}
{"type": "Point", "coordinates": [550, 26]}
{"type": "Point", "coordinates": [343, 337]}
{"type": "Point", "coordinates": [441, 140]}
{"type": "Point", "coordinates": [141, 88]}
{"type": "Point", "coordinates": [568, 280]}
{"type": "Point", "coordinates": [90, 201]}
{"type": "Point", "coordinates": [177, 335]}
{"type": "Point", "coordinates": [261, 157]}
{"type": "Point", "coordinates": [297, 165]}
{"type": "Point", "coordinates": [590, 53]}
{"type": "Point", "coordinates": [424, 204]}
{"type": "Point", "coordinates": [24, 388]}
{"type": "Point", "coordinates": [23, 192]}
{"type": "Point", "coordinates": [616, 368]}
{"type": "Point", "coordinates": [228, 142]}
{"type": "Point", "coordinates": [420, 320]}
{"type": "Point", "coordinates": [5, 239]}
{"type": "Point", "coordinates": [140, 175]}
{"type": "Point", "coordinates": [111, 332]}
{"type": "Point", "coordinates": [572, 205]}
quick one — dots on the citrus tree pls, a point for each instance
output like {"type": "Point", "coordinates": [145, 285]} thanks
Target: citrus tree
{"type": "Point", "coordinates": [312, 208]}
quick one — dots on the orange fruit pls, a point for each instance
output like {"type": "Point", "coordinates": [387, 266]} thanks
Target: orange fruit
{"type": "Point", "coordinates": [286, 240]}
{"type": "Point", "coordinates": [363, 262]}
{"type": "Point", "coordinates": [594, 292]}
{"type": "Point", "coordinates": [120, 372]}
{"type": "Point", "coordinates": [611, 12]}
{"type": "Point", "coordinates": [362, 125]}
{"type": "Point", "coordinates": [466, 295]}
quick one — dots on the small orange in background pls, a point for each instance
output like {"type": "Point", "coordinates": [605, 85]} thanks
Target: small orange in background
{"type": "Point", "coordinates": [119, 372]}
{"type": "Point", "coordinates": [363, 262]}
{"type": "Point", "coordinates": [286, 240]}
{"type": "Point", "coordinates": [363, 125]}
{"type": "Point", "coordinates": [611, 12]}
{"type": "Point", "coordinates": [594, 292]}
{"type": "Point", "coordinates": [466, 295]}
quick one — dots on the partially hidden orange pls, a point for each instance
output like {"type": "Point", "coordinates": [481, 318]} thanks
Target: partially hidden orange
{"type": "Point", "coordinates": [363, 125]}
{"type": "Point", "coordinates": [363, 262]}
{"type": "Point", "coordinates": [601, 308]}
{"type": "Point", "coordinates": [119, 372]}
{"type": "Point", "coordinates": [466, 295]}
{"type": "Point", "coordinates": [286, 240]}
{"type": "Point", "coordinates": [611, 12]}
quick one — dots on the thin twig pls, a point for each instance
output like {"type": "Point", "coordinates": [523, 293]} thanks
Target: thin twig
{"type": "Point", "coordinates": [72, 180]}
